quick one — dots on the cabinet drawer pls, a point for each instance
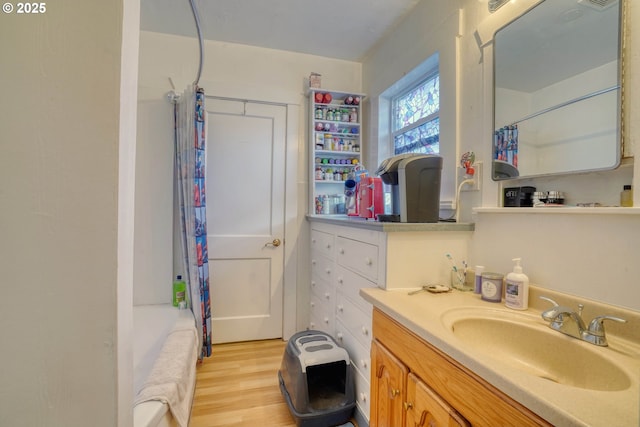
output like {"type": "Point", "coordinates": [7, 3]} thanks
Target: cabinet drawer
{"type": "Point", "coordinates": [363, 393]}
{"type": "Point", "coordinates": [322, 288]}
{"type": "Point", "coordinates": [358, 256]}
{"type": "Point", "coordinates": [359, 354]}
{"type": "Point", "coordinates": [349, 283]}
{"type": "Point", "coordinates": [320, 315]}
{"type": "Point", "coordinates": [322, 266]}
{"type": "Point", "coordinates": [323, 243]}
{"type": "Point", "coordinates": [354, 320]}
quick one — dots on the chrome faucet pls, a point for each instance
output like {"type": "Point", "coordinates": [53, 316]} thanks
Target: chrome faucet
{"type": "Point", "coordinates": [568, 321]}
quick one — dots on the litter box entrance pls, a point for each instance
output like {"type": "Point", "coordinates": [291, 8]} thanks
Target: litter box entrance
{"type": "Point", "coordinates": [326, 385]}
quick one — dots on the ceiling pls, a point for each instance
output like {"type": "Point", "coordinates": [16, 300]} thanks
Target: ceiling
{"type": "Point", "coordinates": [330, 28]}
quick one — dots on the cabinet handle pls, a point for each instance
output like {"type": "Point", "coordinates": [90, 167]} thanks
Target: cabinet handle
{"type": "Point", "coordinates": [340, 280]}
{"type": "Point", "coordinates": [339, 336]}
{"type": "Point", "coordinates": [363, 363]}
{"type": "Point", "coordinates": [363, 397]}
{"type": "Point", "coordinates": [328, 271]}
{"type": "Point", "coordinates": [313, 262]}
{"type": "Point", "coordinates": [341, 251]}
{"type": "Point", "coordinates": [328, 245]}
{"type": "Point", "coordinates": [313, 283]}
{"type": "Point", "coordinates": [312, 325]}
{"type": "Point", "coordinates": [340, 308]}
{"type": "Point", "coordinates": [395, 392]}
{"type": "Point", "coordinates": [326, 320]}
{"type": "Point", "coordinates": [365, 331]}
{"type": "Point", "coordinates": [408, 405]}
{"type": "Point", "coordinates": [368, 261]}
{"type": "Point", "coordinates": [313, 240]}
{"type": "Point", "coordinates": [313, 304]}
{"type": "Point", "coordinates": [327, 295]}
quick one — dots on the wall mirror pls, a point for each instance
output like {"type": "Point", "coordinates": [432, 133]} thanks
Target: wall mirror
{"type": "Point", "coordinates": [557, 90]}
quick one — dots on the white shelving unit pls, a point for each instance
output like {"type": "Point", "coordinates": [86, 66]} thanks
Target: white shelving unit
{"type": "Point", "coordinates": [335, 138]}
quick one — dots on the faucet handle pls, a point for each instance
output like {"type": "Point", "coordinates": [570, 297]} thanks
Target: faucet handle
{"type": "Point", "coordinates": [596, 326]}
{"type": "Point", "coordinates": [547, 314]}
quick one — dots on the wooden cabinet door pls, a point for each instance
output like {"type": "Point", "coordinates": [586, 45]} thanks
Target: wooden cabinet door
{"type": "Point", "coordinates": [388, 388]}
{"type": "Point", "coordinates": [426, 409]}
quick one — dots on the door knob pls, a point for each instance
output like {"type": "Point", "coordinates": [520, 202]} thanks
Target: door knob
{"type": "Point", "coordinates": [274, 243]}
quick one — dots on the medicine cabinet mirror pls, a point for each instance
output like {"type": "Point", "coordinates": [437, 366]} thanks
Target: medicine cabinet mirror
{"type": "Point", "coordinates": [557, 90]}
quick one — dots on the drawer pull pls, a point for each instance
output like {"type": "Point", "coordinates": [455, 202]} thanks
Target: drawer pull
{"type": "Point", "coordinates": [339, 336]}
{"type": "Point", "coordinates": [327, 295]}
{"type": "Point", "coordinates": [365, 331]}
{"type": "Point", "coordinates": [340, 280]}
{"type": "Point", "coordinates": [408, 405]}
{"type": "Point", "coordinates": [313, 240]}
{"type": "Point", "coordinates": [368, 261]}
{"type": "Point", "coordinates": [313, 283]}
{"type": "Point", "coordinates": [326, 320]}
{"type": "Point", "coordinates": [328, 245]}
{"type": "Point", "coordinates": [363, 397]}
{"type": "Point", "coordinates": [312, 325]}
{"type": "Point", "coordinates": [363, 362]}
{"type": "Point", "coordinates": [340, 308]}
{"type": "Point", "coordinates": [328, 271]}
{"type": "Point", "coordinates": [313, 262]}
{"type": "Point", "coordinates": [395, 392]}
{"type": "Point", "coordinates": [313, 304]}
{"type": "Point", "coordinates": [341, 251]}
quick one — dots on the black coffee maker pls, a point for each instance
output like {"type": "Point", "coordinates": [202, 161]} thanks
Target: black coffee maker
{"type": "Point", "coordinates": [415, 187]}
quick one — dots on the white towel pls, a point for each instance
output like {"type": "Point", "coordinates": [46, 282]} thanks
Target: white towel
{"type": "Point", "coordinates": [172, 375]}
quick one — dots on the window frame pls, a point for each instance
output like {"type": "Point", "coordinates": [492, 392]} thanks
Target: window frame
{"type": "Point", "coordinates": [430, 74]}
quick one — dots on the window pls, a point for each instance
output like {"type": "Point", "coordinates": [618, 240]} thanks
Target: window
{"type": "Point", "coordinates": [415, 121]}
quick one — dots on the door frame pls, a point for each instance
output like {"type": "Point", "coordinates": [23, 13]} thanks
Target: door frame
{"type": "Point", "coordinates": [293, 150]}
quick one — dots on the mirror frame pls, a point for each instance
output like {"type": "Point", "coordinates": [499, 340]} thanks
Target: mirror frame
{"type": "Point", "coordinates": [622, 14]}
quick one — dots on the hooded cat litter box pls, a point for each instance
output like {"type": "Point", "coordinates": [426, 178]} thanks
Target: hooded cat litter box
{"type": "Point", "coordinates": [316, 380]}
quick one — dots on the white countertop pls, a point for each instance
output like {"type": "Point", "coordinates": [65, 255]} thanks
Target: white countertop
{"type": "Point", "coordinates": [560, 404]}
{"type": "Point", "coordinates": [391, 226]}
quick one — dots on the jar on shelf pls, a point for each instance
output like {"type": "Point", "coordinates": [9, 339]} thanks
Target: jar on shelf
{"type": "Point", "coordinates": [319, 173]}
{"type": "Point", "coordinates": [353, 117]}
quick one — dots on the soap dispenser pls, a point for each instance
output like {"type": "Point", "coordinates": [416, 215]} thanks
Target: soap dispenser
{"type": "Point", "coordinates": [517, 288]}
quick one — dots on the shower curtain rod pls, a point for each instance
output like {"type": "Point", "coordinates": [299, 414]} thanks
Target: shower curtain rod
{"type": "Point", "coordinates": [569, 102]}
{"type": "Point", "coordinates": [196, 17]}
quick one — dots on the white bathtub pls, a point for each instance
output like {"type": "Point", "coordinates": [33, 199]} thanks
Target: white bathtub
{"type": "Point", "coordinates": [151, 325]}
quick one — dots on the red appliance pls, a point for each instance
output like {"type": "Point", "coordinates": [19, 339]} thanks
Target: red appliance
{"type": "Point", "coordinates": [370, 197]}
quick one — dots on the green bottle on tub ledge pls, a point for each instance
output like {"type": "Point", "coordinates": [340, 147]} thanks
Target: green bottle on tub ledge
{"type": "Point", "coordinates": [179, 290]}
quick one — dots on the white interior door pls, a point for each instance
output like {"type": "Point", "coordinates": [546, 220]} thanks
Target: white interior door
{"type": "Point", "coordinates": [245, 218]}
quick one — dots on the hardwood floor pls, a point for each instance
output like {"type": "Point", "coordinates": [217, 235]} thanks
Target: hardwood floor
{"type": "Point", "coordinates": [238, 387]}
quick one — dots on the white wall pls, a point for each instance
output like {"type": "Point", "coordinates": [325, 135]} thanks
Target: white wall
{"type": "Point", "coordinates": [234, 71]}
{"type": "Point", "coordinates": [591, 256]}
{"type": "Point", "coordinates": [60, 136]}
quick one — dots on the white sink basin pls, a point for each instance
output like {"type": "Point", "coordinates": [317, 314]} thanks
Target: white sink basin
{"type": "Point", "coordinates": [524, 342]}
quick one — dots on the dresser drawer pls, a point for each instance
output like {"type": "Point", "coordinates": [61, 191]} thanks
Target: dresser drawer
{"type": "Point", "coordinates": [354, 320]}
{"type": "Point", "coordinates": [349, 283]}
{"type": "Point", "coordinates": [321, 315]}
{"type": "Point", "coordinates": [323, 243]}
{"type": "Point", "coordinates": [359, 354]}
{"type": "Point", "coordinates": [322, 266]}
{"type": "Point", "coordinates": [363, 391]}
{"type": "Point", "coordinates": [322, 288]}
{"type": "Point", "coordinates": [358, 256]}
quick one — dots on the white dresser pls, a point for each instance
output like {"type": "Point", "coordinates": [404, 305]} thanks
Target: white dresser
{"type": "Point", "coordinates": [343, 260]}
{"type": "Point", "coordinates": [347, 255]}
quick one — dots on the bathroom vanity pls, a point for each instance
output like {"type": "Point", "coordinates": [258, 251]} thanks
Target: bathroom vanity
{"type": "Point", "coordinates": [517, 372]}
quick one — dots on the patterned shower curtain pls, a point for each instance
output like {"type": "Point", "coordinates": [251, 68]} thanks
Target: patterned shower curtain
{"type": "Point", "coordinates": [190, 158]}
